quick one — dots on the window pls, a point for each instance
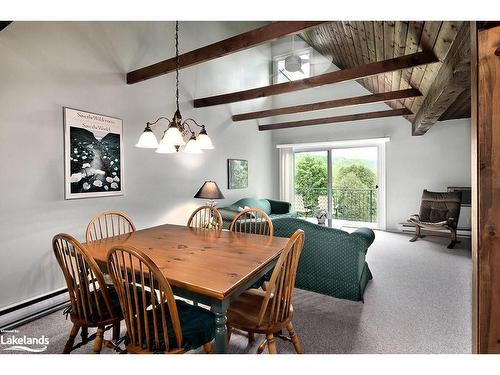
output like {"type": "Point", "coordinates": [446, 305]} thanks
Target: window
{"type": "Point", "coordinates": [280, 73]}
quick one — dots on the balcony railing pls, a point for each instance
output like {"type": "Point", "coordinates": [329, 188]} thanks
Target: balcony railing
{"type": "Point", "coordinates": [347, 204]}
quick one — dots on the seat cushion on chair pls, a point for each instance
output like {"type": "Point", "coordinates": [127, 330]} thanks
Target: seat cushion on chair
{"type": "Point", "coordinates": [243, 313]}
{"type": "Point", "coordinates": [197, 326]}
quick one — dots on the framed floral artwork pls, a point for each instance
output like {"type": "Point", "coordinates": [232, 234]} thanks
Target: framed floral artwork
{"type": "Point", "coordinates": [93, 154]}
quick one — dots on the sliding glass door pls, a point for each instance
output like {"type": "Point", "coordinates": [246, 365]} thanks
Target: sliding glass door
{"type": "Point", "coordinates": [343, 184]}
{"type": "Point", "coordinates": [354, 184]}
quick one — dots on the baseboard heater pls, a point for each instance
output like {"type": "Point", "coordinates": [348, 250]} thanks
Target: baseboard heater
{"type": "Point", "coordinates": [410, 228]}
{"type": "Point", "coordinates": [33, 308]}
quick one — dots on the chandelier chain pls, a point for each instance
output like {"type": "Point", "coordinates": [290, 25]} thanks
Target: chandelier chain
{"type": "Point", "coordinates": [177, 63]}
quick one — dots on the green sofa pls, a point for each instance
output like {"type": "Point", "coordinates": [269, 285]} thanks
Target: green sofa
{"type": "Point", "coordinates": [332, 261]}
{"type": "Point", "coordinates": [273, 208]}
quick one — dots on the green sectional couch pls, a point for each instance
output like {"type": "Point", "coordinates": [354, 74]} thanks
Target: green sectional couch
{"type": "Point", "coordinates": [332, 261]}
{"type": "Point", "coordinates": [273, 208]}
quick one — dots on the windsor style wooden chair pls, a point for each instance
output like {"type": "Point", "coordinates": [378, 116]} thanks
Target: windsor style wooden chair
{"type": "Point", "coordinates": [206, 217]}
{"type": "Point", "coordinates": [167, 325]}
{"type": "Point", "coordinates": [93, 303]}
{"type": "Point", "coordinates": [271, 311]}
{"type": "Point", "coordinates": [107, 224]}
{"type": "Point", "coordinates": [252, 220]}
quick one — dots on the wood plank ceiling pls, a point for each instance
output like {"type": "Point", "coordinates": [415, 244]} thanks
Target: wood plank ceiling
{"type": "Point", "coordinates": [445, 86]}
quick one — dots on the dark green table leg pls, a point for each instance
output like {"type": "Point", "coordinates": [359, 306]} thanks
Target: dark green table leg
{"type": "Point", "coordinates": [219, 308]}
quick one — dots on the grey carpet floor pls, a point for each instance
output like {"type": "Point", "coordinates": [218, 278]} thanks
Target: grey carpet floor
{"type": "Point", "coordinates": [419, 301]}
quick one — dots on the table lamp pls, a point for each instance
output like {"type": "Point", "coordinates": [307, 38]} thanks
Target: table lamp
{"type": "Point", "coordinates": [209, 190]}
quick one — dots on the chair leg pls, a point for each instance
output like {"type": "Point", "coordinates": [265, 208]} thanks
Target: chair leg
{"type": "Point", "coordinates": [262, 346]}
{"type": "Point", "coordinates": [84, 334]}
{"type": "Point", "coordinates": [454, 240]}
{"type": "Point", "coordinates": [251, 337]}
{"type": "Point", "coordinates": [417, 234]}
{"type": "Point", "coordinates": [71, 340]}
{"type": "Point", "coordinates": [271, 344]}
{"type": "Point", "coordinates": [294, 338]}
{"type": "Point", "coordinates": [116, 331]}
{"type": "Point", "coordinates": [208, 348]}
{"type": "Point", "coordinates": [99, 336]}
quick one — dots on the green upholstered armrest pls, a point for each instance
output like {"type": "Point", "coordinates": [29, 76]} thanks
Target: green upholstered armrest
{"type": "Point", "coordinates": [279, 207]}
{"type": "Point", "coordinates": [365, 235]}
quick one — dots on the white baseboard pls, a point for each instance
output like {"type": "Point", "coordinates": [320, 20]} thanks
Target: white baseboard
{"type": "Point", "coordinates": [24, 311]}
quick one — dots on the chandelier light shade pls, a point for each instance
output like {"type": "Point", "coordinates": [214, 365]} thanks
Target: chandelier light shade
{"type": "Point", "coordinates": [204, 140]}
{"type": "Point", "coordinates": [192, 146]}
{"type": "Point", "coordinates": [165, 147]}
{"type": "Point", "coordinates": [173, 138]}
{"type": "Point", "coordinates": [147, 139]}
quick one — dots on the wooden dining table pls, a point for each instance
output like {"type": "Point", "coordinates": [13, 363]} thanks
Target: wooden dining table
{"type": "Point", "coordinates": [205, 266]}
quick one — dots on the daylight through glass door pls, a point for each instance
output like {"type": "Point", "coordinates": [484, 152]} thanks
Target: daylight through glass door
{"type": "Point", "coordinates": [339, 184]}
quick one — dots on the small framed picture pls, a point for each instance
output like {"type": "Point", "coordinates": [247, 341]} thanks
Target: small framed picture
{"type": "Point", "coordinates": [93, 154]}
{"type": "Point", "coordinates": [237, 174]}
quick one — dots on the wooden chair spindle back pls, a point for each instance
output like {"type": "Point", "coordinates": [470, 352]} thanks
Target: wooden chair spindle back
{"type": "Point", "coordinates": [89, 297]}
{"type": "Point", "coordinates": [108, 224]}
{"type": "Point", "coordinates": [128, 267]}
{"type": "Point", "coordinates": [278, 298]}
{"type": "Point", "coordinates": [206, 217]}
{"type": "Point", "coordinates": [252, 220]}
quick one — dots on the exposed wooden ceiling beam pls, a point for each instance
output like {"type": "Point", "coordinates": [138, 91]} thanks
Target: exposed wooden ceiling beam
{"type": "Point", "coordinates": [451, 81]}
{"type": "Point", "coordinates": [224, 47]}
{"type": "Point", "coordinates": [4, 24]}
{"type": "Point", "coordinates": [332, 120]}
{"type": "Point", "coordinates": [345, 102]}
{"type": "Point", "coordinates": [357, 72]}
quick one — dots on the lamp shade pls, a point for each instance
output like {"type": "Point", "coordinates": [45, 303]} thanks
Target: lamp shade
{"type": "Point", "coordinates": [209, 190]}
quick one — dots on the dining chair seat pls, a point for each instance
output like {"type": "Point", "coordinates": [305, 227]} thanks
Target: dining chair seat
{"type": "Point", "coordinates": [243, 313]}
{"type": "Point", "coordinates": [197, 326]}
